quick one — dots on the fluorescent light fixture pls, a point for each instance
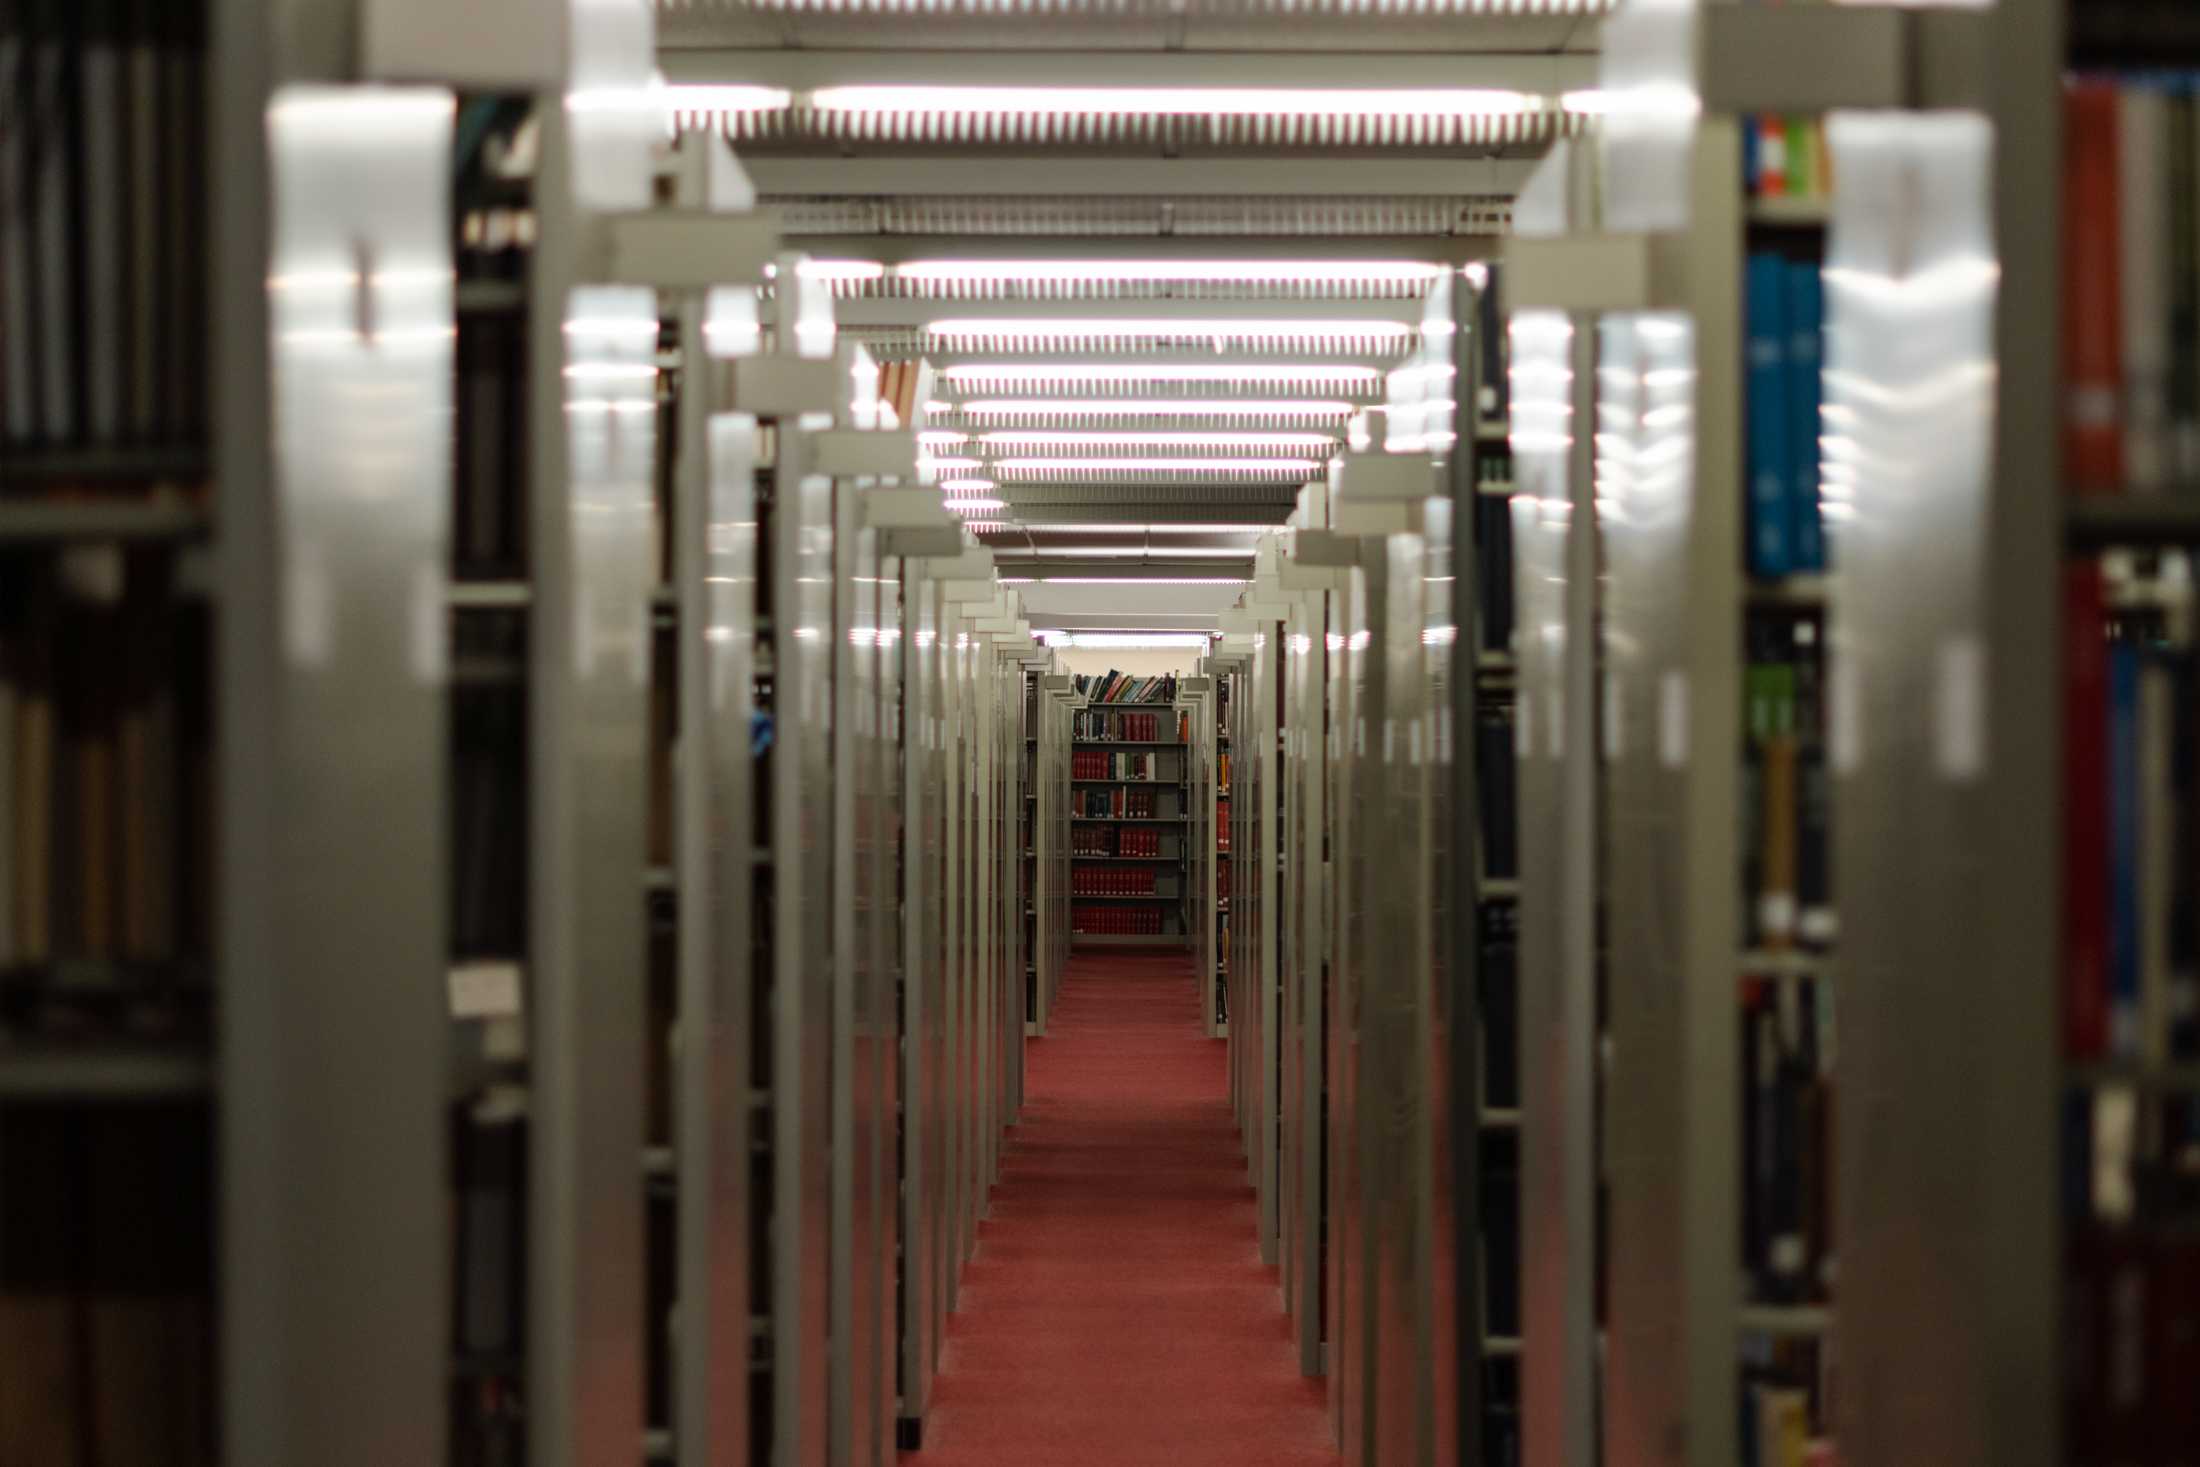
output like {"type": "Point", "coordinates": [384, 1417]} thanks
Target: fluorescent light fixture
{"type": "Point", "coordinates": [1157, 465]}
{"type": "Point", "coordinates": [949, 463]}
{"type": "Point", "coordinates": [1159, 407]}
{"type": "Point", "coordinates": [830, 270]}
{"type": "Point", "coordinates": [974, 506]}
{"type": "Point", "coordinates": [1155, 641]}
{"type": "Point", "coordinates": [1171, 101]}
{"type": "Point", "coordinates": [726, 97]}
{"type": "Point", "coordinates": [965, 486]}
{"type": "Point", "coordinates": [1013, 580]}
{"type": "Point", "coordinates": [1292, 272]}
{"type": "Point", "coordinates": [1148, 529]}
{"type": "Point", "coordinates": [1050, 438]}
{"type": "Point", "coordinates": [941, 438]}
{"type": "Point", "coordinates": [1144, 581]}
{"type": "Point", "coordinates": [1126, 552]}
{"type": "Point", "coordinates": [1158, 372]}
{"type": "Point", "coordinates": [1060, 327]}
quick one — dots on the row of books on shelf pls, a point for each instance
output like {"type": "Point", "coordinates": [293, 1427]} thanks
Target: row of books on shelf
{"type": "Point", "coordinates": [1786, 157]}
{"type": "Point", "coordinates": [1493, 568]}
{"type": "Point", "coordinates": [1787, 1055]}
{"type": "Point", "coordinates": [1786, 786]}
{"type": "Point", "coordinates": [1121, 687]}
{"type": "Point", "coordinates": [2131, 285]}
{"type": "Point", "coordinates": [2132, 834]}
{"type": "Point", "coordinates": [489, 525]}
{"type": "Point", "coordinates": [1786, 1395]}
{"type": "Point", "coordinates": [1091, 726]}
{"type": "Point", "coordinates": [1120, 881]}
{"type": "Point", "coordinates": [1115, 804]}
{"type": "Point", "coordinates": [1131, 841]}
{"type": "Point", "coordinates": [1222, 825]}
{"type": "Point", "coordinates": [1119, 921]}
{"type": "Point", "coordinates": [103, 220]}
{"type": "Point", "coordinates": [2131, 1346]}
{"type": "Point", "coordinates": [1497, 787]}
{"type": "Point", "coordinates": [107, 1319]}
{"type": "Point", "coordinates": [106, 762]}
{"type": "Point", "coordinates": [1785, 310]}
{"type": "Point", "coordinates": [1100, 764]}
{"type": "Point", "coordinates": [1222, 771]}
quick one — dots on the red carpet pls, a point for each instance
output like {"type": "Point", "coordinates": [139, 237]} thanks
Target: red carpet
{"type": "Point", "coordinates": [1117, 1313]}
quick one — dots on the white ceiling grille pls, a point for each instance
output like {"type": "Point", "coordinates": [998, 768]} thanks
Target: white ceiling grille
{"type": "Point", "coordinates": [1132, 217]}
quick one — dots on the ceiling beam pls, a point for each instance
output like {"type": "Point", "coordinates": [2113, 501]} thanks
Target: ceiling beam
{"type": "Point", "coordinates": [1057, 174]}
{"type": "Point", "coordinates": [1543, 74]}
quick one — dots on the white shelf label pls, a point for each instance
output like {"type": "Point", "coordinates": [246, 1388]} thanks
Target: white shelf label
{"type": "Point", "coordinates": [487, 990]}
{"type": "Point", "coordinates": [1673, 720]}
{"type": "Point", "coordinates": [1844, 712]}
{"type": "Point", "coordinates": [1614, 710]}
{"type": "Point", "coordinates": [1959, 727]}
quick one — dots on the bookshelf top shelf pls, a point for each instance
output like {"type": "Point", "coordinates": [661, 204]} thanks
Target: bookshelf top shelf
{"type": "Point", "coordinates": [1791, 213]}
{"type": "Point", "coordinates": [176, 463]}
{"type": "Point", "coordinates": [1128, 744]}
{"type": "Point", "coordinates": [2107, 521]}
{"type": "Point", "coordinates": [1127, 819]}
{"type": "Point", "coordinates": [110, 1075]}
{"type": "Point", "coordinates": [2134, 35]}
{"type": "Point", "coordinates": [76, 519]}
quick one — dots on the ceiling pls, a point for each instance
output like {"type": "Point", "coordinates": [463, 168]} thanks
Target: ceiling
{"type": "Point", "coordinates": [1156, 251]}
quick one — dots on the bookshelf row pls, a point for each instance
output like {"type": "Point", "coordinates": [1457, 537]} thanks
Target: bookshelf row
{"type": "Point", "coordinates": [517, 679]}
{"type": "Point", "coordinates": [1804, 624]}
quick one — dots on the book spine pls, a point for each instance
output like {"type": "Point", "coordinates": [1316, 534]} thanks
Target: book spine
{"type": "Point", "coordinates": [2092, 296]}
{"type": "Point", "coordinates": [1806, 393]}
{"type": "Point", "coordinates": [2085, 827]}
{"type": "Point", "coordinates": [1771, 534]}
{"type": "Point", "coordinates": [2123, 850]}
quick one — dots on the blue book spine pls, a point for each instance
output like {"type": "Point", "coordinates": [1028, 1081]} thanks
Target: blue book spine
{"type": "Point", "coordinates": [2123, 851]}
{"type": "Point", "coordinates": [1750, 159]}
{"type": "Point", "coordinates": [1806, 394]}
{"type": "Point", "coordinates": [1767, 456]}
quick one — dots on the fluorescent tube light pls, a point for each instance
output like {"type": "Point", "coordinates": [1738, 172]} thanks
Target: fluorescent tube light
{"type": "Point", "coordinates": [1308, 272]}
{"type": "Point", "coordinates": [1144, 581]}
{"type": "Point", "coordinates": [1158, 372]}
{"type": "Point", "coordinates": [965, 486]}
{"type": "Point", "coordinates": [1156, 641]}
{"type": "Point", "coordinates": [1050, 438]}
{"type": "Point", "coordinates": [974, 506]}
{"type": "Point", "coordinates": [1157, 465]}
{"type": "Point", "coordinates": [1125, 552]}
{"type": "Point", "coordinates": [1045, 328]}
{"type": "Point", "coordinates": [1173, 101]}
{"type": "Point", "coordinates": [1128, 529]}
{"type": "Point", "coordinates": [1136, 407]}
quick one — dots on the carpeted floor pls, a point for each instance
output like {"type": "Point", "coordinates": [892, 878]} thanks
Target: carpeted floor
{"type": "Point", "coordinates": [1117, 1312]}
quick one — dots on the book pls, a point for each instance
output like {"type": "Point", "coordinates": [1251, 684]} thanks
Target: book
{"type": "Point", "coordinates": [1806, 316]}
{"type": "Point", "coordinates": [2123, 850]}
{"type": "Point", "coordinates": [2085, 821]}
{"type": "Point", "coordinates": [1770, 419]}
{"type": "Point", "coordinates": [2092, 296]}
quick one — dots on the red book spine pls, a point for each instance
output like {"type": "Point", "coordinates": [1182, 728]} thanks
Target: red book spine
{"type": "Point", "coordinates": [2092, 293]}
{"type": "Point", "coordinates": [2085, 813]}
